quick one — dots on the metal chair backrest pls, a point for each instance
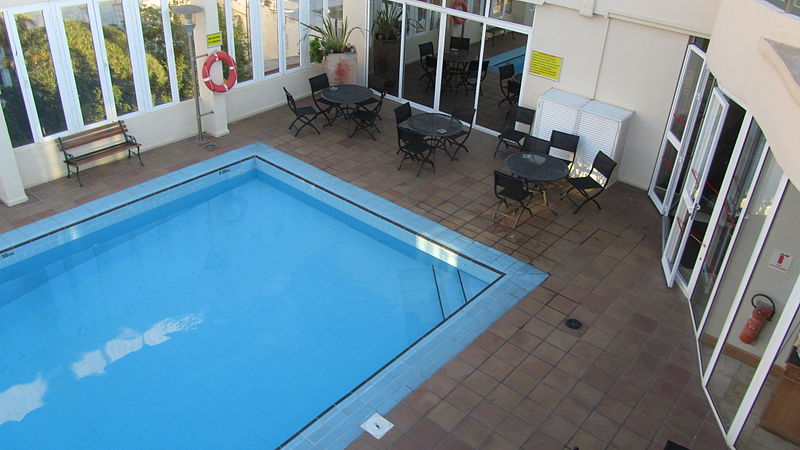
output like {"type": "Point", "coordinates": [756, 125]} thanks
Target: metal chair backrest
{"type": "Point", "coordinates": [513, 186]}
{"type": "Point", "coordinates": [410, 140]}
{"type": "Point", "coordinates": [464, 114]}
{"type": "Point", "coordinates": [563, 145]}
{"type": "Point", "coordinates": [430, 62]}
{"type": "Point", "coordinates": [318, 83]}
{"type": "Point", "coordinates": [377, 83]}
{"type": "Point", "coordinates": [425, 49]}
{"type": "Point", "coordinates": [533, 144]}
{"type": "Point", "coordinates": [506, 72]}
{"type": "Point", "coordinates": [459, 43]}
{"type": "Point", "coordinates": [402, 113]}
{"type": "Point", "coordinates": [290, 101]}
{"type": "Point", "coordinates": [603, 165]}
{"type": "Point", "coordinates": [523, 115]}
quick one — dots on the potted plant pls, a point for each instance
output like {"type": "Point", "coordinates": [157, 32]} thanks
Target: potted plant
{"type": "Point", "coordinates": [386, 42]}
{"type": "Point", "coordinates": [329, 45]}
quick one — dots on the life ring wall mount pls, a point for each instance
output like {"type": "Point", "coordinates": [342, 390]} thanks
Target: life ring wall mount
{"type": "Point", "coordinates": [460, 5]}
{"type": "Point", "coordinates": [232, 73]}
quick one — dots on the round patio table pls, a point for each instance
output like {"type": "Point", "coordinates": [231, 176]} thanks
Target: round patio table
{"type": "Point", "coordinates": [456, 61]}
{"type": "Point", "coordinates": [538, 170]}
{"type": "Point", "coordinates": [437, 126]}
{"type": "Point", "coordinates": [343, 95]}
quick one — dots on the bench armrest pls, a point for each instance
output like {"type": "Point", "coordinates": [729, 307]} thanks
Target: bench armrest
{"type": "Point", "coordinates": [69, 156]}
{"type": "Point", "coordinates": [131, 139]}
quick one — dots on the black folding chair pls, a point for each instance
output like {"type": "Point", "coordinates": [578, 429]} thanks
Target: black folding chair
{"type": "Point", "coordinates": [301, 114]}
{"type": "Point", "coordinates": [459, 139]}
{"type": "Point", "coordinates": [402, 113]}
{"type": "Point", "coordinates": [511, 137]}
{"type": "Point", "coordinates": [563, 146]}
{"type": "Point", "coordinates": [317, 84]}
{"type": "Point", "coordinates": [533, 144]}
{"type": "Point", "coordinates": [596, 180]}
{"type": "Point", "coordinates": [376, 83]}
{"type": "Point", "coordinates": [365, 118]}
{"type": "Point", "coordinates": [414, 147]}
{"type": "Point", "coordinates": [508, 187]}
{"type": "Point", "coordinates": [430, 71]}
{"type": "Point", "coordinates": [509, 96]}
{"type": "Point", "coordinates": [469, 78]}
{"type": "Point", "coordinates": [425, 49]}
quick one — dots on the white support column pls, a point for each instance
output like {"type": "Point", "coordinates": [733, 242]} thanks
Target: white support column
{"type": "Point", "coordinates": [11, 189]}
{"type": "Point", "coordinates": [356, 13]}
{"type": "Point", "coordinates": [215, 124]}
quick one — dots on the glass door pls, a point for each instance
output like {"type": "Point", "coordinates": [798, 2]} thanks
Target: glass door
{"type": "Point", "coordinates": [687, 103]}
{"type": "Point", "coordinates": [717, 246]}
{"type": "Point", "coordinates": [690, 198]}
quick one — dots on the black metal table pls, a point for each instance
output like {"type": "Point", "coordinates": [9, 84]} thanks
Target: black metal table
{"type": "Point", "coordinates": [456, 61]}
{"type": "Point", "coordinates": [538, 170]}
{"type": "Point", "coordinates": [344, 95]}
{"type": "Point", "coordinates": [437, 126]}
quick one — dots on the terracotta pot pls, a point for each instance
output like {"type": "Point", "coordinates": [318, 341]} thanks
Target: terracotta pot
{"type": "Point", "coordinates": [341, 68]}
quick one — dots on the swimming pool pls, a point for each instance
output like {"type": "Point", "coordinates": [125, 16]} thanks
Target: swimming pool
{"type": "Point", "coordinates": [515, 57]}
{"type": "Point", "coordinates": [180, 358]}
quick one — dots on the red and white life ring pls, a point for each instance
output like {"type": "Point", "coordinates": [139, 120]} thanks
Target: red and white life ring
{"type": "Point", "coordinates": [230, 82]}
{"type": "Point", "coordinates": [462, 6]}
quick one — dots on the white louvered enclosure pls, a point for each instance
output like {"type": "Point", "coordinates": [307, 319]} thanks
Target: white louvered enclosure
{"type": "Point", "coordinates": [600, 126]}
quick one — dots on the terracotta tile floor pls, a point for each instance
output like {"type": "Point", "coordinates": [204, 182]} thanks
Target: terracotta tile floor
{"type": "Point", "coordinates": [628, 379]}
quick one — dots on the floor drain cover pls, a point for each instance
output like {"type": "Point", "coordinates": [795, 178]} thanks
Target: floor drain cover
{"type": "Point", "coordinates": [377, 426]}
{"type": "Point", "coordinates": [573, 323]}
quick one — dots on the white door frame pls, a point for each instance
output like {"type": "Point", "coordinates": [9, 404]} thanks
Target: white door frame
{"type": "Point", "coordinates": [679, 233]}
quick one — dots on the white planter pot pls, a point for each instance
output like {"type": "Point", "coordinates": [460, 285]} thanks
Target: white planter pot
{"type": "Point", "coordinates": [341, 68]}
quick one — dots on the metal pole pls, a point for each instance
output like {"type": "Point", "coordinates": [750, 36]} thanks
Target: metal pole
{"type": "Point", "coordinates": [193, 65]}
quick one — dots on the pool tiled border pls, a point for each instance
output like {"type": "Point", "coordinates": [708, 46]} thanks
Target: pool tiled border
{"type": "Point", "coordinates": [339, 425]}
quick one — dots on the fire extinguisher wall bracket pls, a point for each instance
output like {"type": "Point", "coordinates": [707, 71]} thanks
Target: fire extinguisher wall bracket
{"type": "Point", "coordinates": [771, 304]}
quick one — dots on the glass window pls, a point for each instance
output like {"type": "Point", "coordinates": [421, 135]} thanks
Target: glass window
{"type": "Point", "coordinates": [691, 77]}
{"type": "Point", "coordinates": [155, 48]}
{"type": "Point", "coordinates": [84, 63]}
{"type": "Point", "coordinates": [241, 39]}
{"type": "Point", "coordinates": [291, 11]}
{"type": "Point", "coordinates": [118, 54]}
{"type": "Point", "coordinates": [11, 93]}
{"type": "Point", "coordinates": [269, 36]}
{"type": "Point", "coordinates": [180, 44]}
{"type": "Point", "coordinates": [41, 73]}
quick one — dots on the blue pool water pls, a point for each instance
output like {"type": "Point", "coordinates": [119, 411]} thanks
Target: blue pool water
{"type": "Point", "coordinates": [515, 56]}
{"type": "Point", "coordinates": [228, 318]}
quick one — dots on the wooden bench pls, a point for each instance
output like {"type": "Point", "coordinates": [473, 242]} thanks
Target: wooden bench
{"type": "Point", "coordinates": [97, 143]}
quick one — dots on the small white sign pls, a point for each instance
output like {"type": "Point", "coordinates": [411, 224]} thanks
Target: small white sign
{"type": "Point", "coordinates": [781, 261]}
{"type": "Point", "coordinates": [377, 426]}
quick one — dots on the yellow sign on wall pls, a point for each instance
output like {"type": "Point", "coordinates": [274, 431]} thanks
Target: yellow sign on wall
{"type": "Point", "coordinates": [546, 65]}
{"type": "Point", "coordinates": [214, 39]}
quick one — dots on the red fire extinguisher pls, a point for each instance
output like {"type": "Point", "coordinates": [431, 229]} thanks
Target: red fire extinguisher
{"type": "Point", "coordinates": [760, 316]}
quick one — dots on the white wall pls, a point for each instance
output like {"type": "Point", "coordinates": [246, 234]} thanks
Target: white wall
{"type": "Point", "coordinates": [748, 70]}
{"type": "Point", "coordinates": [621, 62]}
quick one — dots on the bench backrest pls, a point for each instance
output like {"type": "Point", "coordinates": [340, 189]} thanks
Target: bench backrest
{"type": "Point", "coordinates": [104, 135]}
